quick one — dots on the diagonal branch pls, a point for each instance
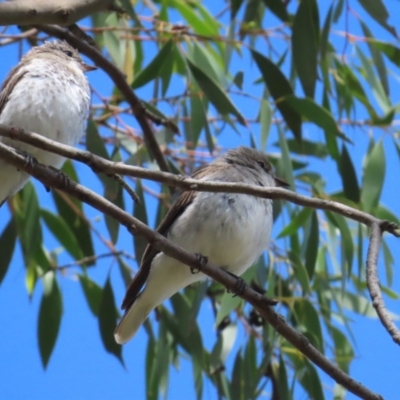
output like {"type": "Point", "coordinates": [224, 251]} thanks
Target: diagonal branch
{"type": "Point", "coordinates": [99, 164]}
{"type": "Point", "coordinates": [61, 12]}
{"type": "Point", "coordinates": [120, 82]}
{"type": "Point", "coordinates": [52, 178]}
{"type": "Point", "coordinates": [374, 284]}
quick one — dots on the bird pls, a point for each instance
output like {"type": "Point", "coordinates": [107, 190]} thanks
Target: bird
{"type": "Point", "coordinates": [47, 93]}
{"type": "Point", "coordinates": [231, 230]}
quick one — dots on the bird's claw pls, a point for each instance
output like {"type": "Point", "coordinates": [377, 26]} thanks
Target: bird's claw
{"type": "Point", "coordinates": [30, 161]}
{"type": "Point", "coordinates": [203, 260]}
{"type": "Point", "coordinates": [240, 285]}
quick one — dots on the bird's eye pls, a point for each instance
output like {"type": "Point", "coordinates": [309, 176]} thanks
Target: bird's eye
{"type": "Point", "coordinates": [68, 53]}
{"type": "Point", "coordinates": [261, 164]}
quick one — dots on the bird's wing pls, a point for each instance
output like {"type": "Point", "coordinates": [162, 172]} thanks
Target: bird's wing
{"type": "Point", "coordinates": [184, 199]}
{"type": "Point", "coordinates": [15, 75]}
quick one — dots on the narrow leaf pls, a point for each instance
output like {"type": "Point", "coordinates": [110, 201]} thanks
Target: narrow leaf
{"type": "Point", "coordinates": [93, 293]}
{"type": "Point", "coordinates": [278, 8]}
{"type": "Point", "coordinates": [7, 244]}
{"type": "Point", "coordinates": [349, 177]}
{"type": "Point", "coordinates": [61, 231]}
{"type": "Point", "coordinates": [279, 87]}
{"type": "Point", "coordinates": [140, 213]}
{"type": "Point", "coordinates": [108, 321]}
{"type": "Point", "coordinates": [153, 69]}
{"type": "Point", "coordinates": [373, 177]}
{"type": "Point", "coordinates": [305, 44]}
{"type": "Point", "coordinates": [50, 312]}
{"type": "Point", "coordinates": [215, 93]}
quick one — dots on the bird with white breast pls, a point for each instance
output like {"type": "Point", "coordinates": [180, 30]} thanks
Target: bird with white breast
{"type": "Point", "coordinates": [46, 93]}
{"type": "Point", "coordinates": [231, 230]}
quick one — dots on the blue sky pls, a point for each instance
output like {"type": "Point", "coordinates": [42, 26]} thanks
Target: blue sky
{"type": "Point", "coordinates": [81, 369]}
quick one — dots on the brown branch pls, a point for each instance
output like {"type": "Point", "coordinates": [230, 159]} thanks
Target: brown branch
{"type": "Point", "coordinates": [52, 178]}
{"type": "Point", "coordinates": [374, 284]}
{"type": "Point", "coordinates": [99, 164]}
{"type": "Point", "coordinates": [120, 82]}
{"type": "Point", "coordinates": [60, 12]}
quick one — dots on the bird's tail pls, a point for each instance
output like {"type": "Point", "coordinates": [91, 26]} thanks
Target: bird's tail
{"type": "Point", "coordinates": [132, 320]}
{"type": "Point", "coordinates": [11, 181]}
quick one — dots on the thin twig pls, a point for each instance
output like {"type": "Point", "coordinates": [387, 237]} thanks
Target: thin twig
{"type": "Point", "coordinates": [125, 185]}
{"type": "Point", "coordinates": [89, 259]}
{"type": "Point", "coordinates": [374, 284]}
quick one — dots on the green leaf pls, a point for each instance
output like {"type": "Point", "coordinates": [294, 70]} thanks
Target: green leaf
{"type": "Point", "coordinates": [347, 240]}
{"type": "Point", "coordinates": [349, 177]}
{"type": "Point", "coordinates": [278, 8]}
{"type": "Point", "coordinates": [265, 117]}
{"type": "Point", "coordinates": [139, 212]}
{"type": "Point", "coordinates": [312, 245]}
{"type": "Point", "coordinates": [93, 293]}
{"type": "Point", "coordinates": [324, 43]}
{"type": "Point", "coordinates": [296, 222]}
{"type": "Point", "coordinates": [125, 270]}
{"type": "Point", "coordinates": [391, 52]}
{"type": "Point", "coordinates": [376, 57]}
{"type": "Point", "coordinates": [372, 79]}
{"type": "Point", "coordinates": [373, 177]}
{"type": "Point", "coordinates": [167, 69]}
{"type": "Point", "coordinates": [279, 87]}
{"type": "Point", "coordinates": [192, 12]}
{"type": "Point", "coordinates": [308, 321]}
{"type": "Point", "coordinates": [7, 245]}
{"type": "Point", "coordinates": [389, 262]}
{"type": "Point", "coordinates": [229, 302]}
{"type": "Point", "coordinates": [313, 112]}
{"type": "Point", "coordinates": [305, 42]}
{"type": "Point", "coordinates": [70, 210]}
{"type": "Point", "coordinates": [300, 272]}
{"type": "Point", "coordinates": [237, 385]}
{"type": "Point", "coordinates": [235, 5]}
{"type": "Point", "coordinates": [282, 379]}
{"type": "Point", "coordinates": [94, 142]}
{"type": "Point", "coordinates": [155, 66]}
{"type": "Point", "coordinates": [308, 148]}
{"type": "Point", "coordinates": [108, 321]}
{"type": "Point", "coordinates": [344, 353]}
{"type": "Point", "coordinates": [50, 312]}
{"type": "Point", "coordinates": [61, 231]}
{"type": "Point", "coordinates": [215, 93]}
{"type": "Point", "coordinates": [198, 117]}
{"type": "Point", "coordinates": [130, 11]}
{"type": "Point", "coordinates": [377, 10]}
{"type": "Point", "coordinates": [28, 222]}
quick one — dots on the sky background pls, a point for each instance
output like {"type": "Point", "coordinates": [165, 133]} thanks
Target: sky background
{"type": "Point", "coordinates": [80, 368]}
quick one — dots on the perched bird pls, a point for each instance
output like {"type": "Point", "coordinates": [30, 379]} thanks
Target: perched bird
{"type": "Point", "coordinates": [231, 230]}
{"type": "Point", "coordinates": [46, 93]}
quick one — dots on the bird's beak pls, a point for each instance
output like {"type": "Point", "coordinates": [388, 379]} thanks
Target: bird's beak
{"type": "Point", "coordinates": [87, 67]}
{"type": "Point", "coordinates": [280, 182]}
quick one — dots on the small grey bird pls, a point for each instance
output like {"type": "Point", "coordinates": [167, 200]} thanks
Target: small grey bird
{"type": "Point", "coordinates": [46, 93]}
{"type": "Point", "coordinates": [231, 230]}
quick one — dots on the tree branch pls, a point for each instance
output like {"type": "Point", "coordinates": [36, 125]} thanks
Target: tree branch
{"type": "Point", "coordinates": [60, 12]}
{"type": "Point", "coordinates": [374, 284]}
{"type": "Point", "coordinates": [52, 178]}
{"type": "Point", "coordinates": [99, 164]}
{"type": "Point", "coordinates": [120, 82]}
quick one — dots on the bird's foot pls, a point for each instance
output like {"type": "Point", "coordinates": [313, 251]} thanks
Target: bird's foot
{"type": "Point", "coordinates": [240, 285]}
{"type": "Point", "coordinates": [203, 260]}
{"type": "Point", "coordinates": [30, 161]}
{"type": "Point", "coordinates": [63, 177]}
